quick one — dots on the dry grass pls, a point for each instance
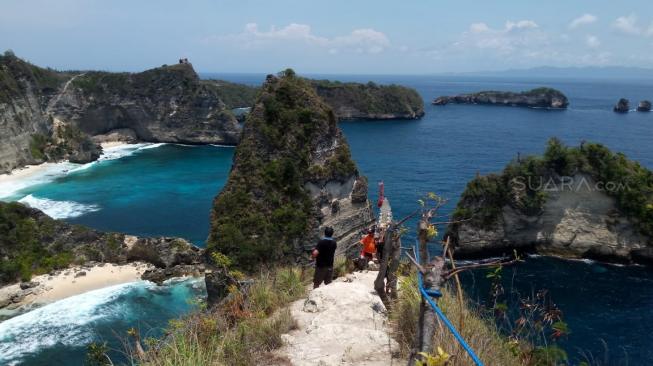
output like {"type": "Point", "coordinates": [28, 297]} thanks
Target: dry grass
{"type": "Point", "coordinates": [481, 334]}
{"type": "Point", "coordinates": [242, 331]}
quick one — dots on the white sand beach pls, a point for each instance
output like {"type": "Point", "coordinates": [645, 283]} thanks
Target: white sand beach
{"type": "Point", "coordinates": [70, 282]}
{"type": "Point", "coordinates": [113, 144]}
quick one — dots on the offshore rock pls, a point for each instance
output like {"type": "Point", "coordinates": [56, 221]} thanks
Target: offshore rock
{"type": "Point", "coordinates": [536, 98]}
{"type": "Point", "coordinates": [622, 106]}
{"type": "Point", "coordinates": [644, 106]}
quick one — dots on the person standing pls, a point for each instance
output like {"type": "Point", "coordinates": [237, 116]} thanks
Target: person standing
{"type": "Point", "coordinates": [323, 254]}
{"type": "Point", "coordinates": [369, 246]}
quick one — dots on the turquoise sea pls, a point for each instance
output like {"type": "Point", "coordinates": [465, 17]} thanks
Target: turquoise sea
{"type": "Point", "coordinates": [167, 190]}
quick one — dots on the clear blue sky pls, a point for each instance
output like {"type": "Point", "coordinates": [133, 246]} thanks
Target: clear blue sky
{"type": "Point", "coordinates": [334, 36]}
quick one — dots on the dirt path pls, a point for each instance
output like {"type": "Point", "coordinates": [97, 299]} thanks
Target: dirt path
{"type": "Point", "coordinates": [343, 323]}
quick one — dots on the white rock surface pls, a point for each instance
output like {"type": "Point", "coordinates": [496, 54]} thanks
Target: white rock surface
{"type": "Point", "coordinates": [575, 221]}
{"type": "Point", "coordinates": [343, 323]}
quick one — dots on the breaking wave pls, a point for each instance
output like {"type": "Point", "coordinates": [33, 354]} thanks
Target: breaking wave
{"type": "Point", "coordinates": [65, 322]}
{"type": "Point", "coordinates": [59, 209]}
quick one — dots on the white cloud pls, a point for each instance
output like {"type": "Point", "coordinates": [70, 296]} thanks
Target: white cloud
{"type": "Point", "coordinates": [521, 43]}
{"type": "Point", "coordinates": [506, 40]}
{"type": "Point", "coordinates": [593, 42]}
{"type": "Point", "coordinates": [365, 40]}
{"type": "Point", "coordinates": [522, 24]}
{"type": "Point", "coordinates": [478, 28]}
{"type": "Point", "coordinates": [584, 19]}
{"type": "Point", "coordinates": [627, 24]}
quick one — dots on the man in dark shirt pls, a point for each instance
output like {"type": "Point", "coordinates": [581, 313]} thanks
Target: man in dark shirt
{"type": "Point", "coordinates": [323, 254]}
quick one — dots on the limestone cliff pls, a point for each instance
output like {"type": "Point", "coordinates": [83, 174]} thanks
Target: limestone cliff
{"type": "Point", "coordinates": [47, 115]}
{"type": "Point", "coordinates": [32, 243]}
{"type": "Point", "coordinates": [574, 202]}
{"type": "Point", "coordinates": [536, 98]}
{"type": "Point", "coordinates": [165, 104]}
{"type": "Point", "coordinates": [370, 101]}
{"type": "Point", "coordinates": [292, 175]}
{"type": "Point", "coordinates": [349, 101]}
{"type": "Point", "coordinates": [28, 134]}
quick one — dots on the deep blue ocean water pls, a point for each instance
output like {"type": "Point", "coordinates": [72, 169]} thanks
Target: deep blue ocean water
{"type": "Point", "coordinates": [167, 190]}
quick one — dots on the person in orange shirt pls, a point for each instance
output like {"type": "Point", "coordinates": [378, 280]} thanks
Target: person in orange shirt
{"type": "Point", "coordinates": [369, 246]}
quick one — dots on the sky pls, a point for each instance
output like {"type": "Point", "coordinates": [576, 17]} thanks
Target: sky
{"type": "Point", "coordinates": [334, 36]}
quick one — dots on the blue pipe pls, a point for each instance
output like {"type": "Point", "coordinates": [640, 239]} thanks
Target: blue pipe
{"type": "Point", "coordinates": [427, 296]}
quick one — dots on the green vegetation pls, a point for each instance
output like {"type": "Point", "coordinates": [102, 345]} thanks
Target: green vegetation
{"type": "Point", "coordinates": [150, 83]}
{"type": "Point", "coordinates": [542, 91]}
{"type": "Point", "coordinates": [370, 98]}
{"type": "Point", "coordinates": [530, 341]}
{"type": "Point", "coordinates": [99, 82]}
{"type": "Point", "coordinates": [479, 332]}
{"type": "Point", "coordinates": [235, 95]}
{"type": "Point", "coordinates": [14, 73]}
{"type": "Point", "coordinates": [37, 146]}
{"type": "Point", "coordinates": [242, 330]}
{"type": "Point", "coordinates": [627, 181]}
{"type": "Point", "coordinates": [264, 211]}
{"type": "Point", "coordinates": [22, 253]}
{"type": "Point", "coordinates": [67, 142]}
{"type": "Point", "coordinates": [31, 243]}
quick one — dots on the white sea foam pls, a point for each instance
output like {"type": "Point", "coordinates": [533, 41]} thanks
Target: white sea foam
{"type": "Point", "coordinates": [48, 172]}
{"type": "Point", "coordinates": [151, 146]}
{"type": "Point", "coordinates": [218, 145]}
{"type": "Point", "coordinates": [64, 322]}
{"type": "Point", "coordinates": [44, 173]}
{"type": "Point", "coordinates": [58, 209]}
{"type": "Point", "coordinates": [121, 151]}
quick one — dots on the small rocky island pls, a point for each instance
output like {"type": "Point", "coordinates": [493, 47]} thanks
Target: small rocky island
{"type": "Point", "coordinates": [644, 106]}
{"type": "Point", "coordinates": [581, 201]}
{"type": "Point", "coordinates": [622, 106]}
{"type": "Point", "coordinates": [535, 98]}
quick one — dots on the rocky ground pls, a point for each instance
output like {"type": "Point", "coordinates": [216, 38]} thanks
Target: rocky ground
{"type": "Point", "coordinates": [344, 323]}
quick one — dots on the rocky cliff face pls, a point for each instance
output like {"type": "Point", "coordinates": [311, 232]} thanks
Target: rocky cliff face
{"type": "Point", "coordinates": [292, 175]}
{"type": "Point", "coordinates": [536, 98]}
{"type": "Point", "coordinates": [31, 243]}
{"type": "Point", "coordinates": [166, 104]}
{"type": "Point", "coordinates": [28, 134]}
{"type": "Point", "coordinates": [575, 222]}
{"type": "Point", "coordinates": [353, 101]}
{"type": "Point", "coordinates": [370, 101]}
{"type": "Point", "coordinates": [576, 202]}
{"type": "Point", "coordinates": [48, 116]}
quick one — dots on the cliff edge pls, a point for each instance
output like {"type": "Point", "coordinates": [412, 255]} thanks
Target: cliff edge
{"type": "Point", "coordinates": [584, 202]}
{"type": "Point", "coordinates": [292, 175]}
{"type": "Point", "coordinates": [47, 115]}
